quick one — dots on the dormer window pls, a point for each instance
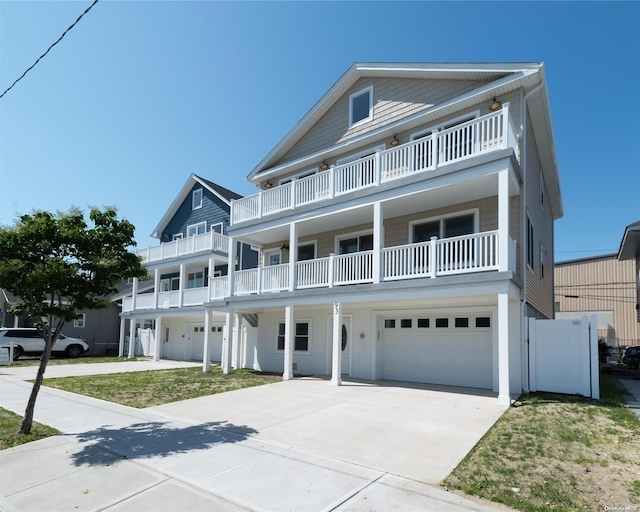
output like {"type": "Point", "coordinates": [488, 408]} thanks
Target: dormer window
{"type": "Point", "coordinates": [196, 199]}
{"type": "Point", "coordinates": [361, 106]}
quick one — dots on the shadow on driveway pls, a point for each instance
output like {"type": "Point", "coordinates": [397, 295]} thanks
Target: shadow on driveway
{"type": "Point", "coordinates": [154, 439]}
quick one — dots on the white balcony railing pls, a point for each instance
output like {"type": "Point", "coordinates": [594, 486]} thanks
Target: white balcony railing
{"type": "Point", "coordinates": [482, 135]}
{"type": "Point", "coordinates": [477, 252]}
{"type": "Point", "coordinates": [204, 242]}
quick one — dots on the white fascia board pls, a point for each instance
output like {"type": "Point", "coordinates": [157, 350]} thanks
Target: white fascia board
{"type": "Point", "coordinates": [630, 244]}
{"type": "Point", "coordinates": [184, 192]}
{"type": "Point", "coordinates": [484, 92]}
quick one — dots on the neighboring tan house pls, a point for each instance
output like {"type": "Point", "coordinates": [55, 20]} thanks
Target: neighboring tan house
{"type": "Point", "coordinates": [630, 250]}
{"type": "Point", "coordinates": [405, 228]}
{"type": "Point", "coordinates": [603, 286]}
{"type": "Point", "coordinates": [187, 266]}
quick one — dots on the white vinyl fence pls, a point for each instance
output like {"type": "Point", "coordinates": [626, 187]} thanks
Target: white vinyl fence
{"type": "Point", "coordinates": [563, 356]}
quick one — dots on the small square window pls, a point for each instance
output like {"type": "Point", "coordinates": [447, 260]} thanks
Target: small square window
{"type": "Point", "coordinates": [462, 322]}
{"type": "Point", "coordinates": [361, 106]}
{"type": "Point", "coordinates": [390, 324]}
{"type": "Point", "coordinates": [406, 323]}
{"type": "Point", "coordinates": [483, 321]}
{"type": "Point", "coordinates": [442, 322]}
{"type": "Point", "coordinates": [423, 322]}
{"type": "Point", "coordinates": [196, 199]}
{"type": "Point", "coordinates": [80, 322]}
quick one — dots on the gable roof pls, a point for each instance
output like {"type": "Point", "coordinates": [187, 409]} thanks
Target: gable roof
{"type": "Point", "coordinates": [224, 194]}
{"type": "Point", "coordinates": [501, 77]}
{"type": "Point", "coordinates": [630, 244]}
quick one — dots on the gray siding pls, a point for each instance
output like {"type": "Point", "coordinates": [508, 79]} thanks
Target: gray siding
{"type": "Point", "coordinates": [393, 99]}
{"type": "Point", "coordinates": [101, 330]}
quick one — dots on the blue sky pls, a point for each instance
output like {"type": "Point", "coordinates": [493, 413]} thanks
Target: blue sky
{"type": "Point", "coordinates": [141, 94]}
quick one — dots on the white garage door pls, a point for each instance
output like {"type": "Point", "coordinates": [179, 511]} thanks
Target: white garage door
{"type": "Point", "coordinates": [451, 350]}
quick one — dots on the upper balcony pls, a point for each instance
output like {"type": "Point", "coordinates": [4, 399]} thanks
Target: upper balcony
{"type": "Point", "coordinates": [482, 135]}
{"type": "Point", "coordinates": [203, 243]}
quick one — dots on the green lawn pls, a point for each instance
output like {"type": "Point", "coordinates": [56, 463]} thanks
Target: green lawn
{"type": "Point", "coordinates": [9, 425]}
{"type": "Point", "coordinates": [553, 452]}
{"type": "Point", "coordinates": [35, 361]}
{"type": "Point", "coordinates": [146, 389]}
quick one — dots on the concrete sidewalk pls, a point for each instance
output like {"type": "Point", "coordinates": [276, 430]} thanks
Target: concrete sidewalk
{"type": "Point", "coordinates": [117, 458]}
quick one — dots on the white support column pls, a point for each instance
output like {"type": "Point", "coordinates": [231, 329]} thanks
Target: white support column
{"type": "Point", "coordinates": [156, 287]}
{"type": "Point", "coordinates": [132, 338]}
{"type": "Point", "coordinates": [231, 266]}
{"type": "Point", "coordinates": [212, 269]}
{"type": "Point", "coordinates": [227, 333]}
{"type": "Point", "coordinates": [503, 349]}
{"type": "Point", "coordinates": [289, 330]}
{"type": "Point", "coordinates": [183, 279]}
{"type": "Point", "coordinates": [122, 334]}
{"type": "Point", "coordinates": [503, 220]}
{"type": "Point", "coordinates": [134, 294]}
{"type": "Point", "coordinates": [235, 340]}
{"type": "Point", "coordinates": [158, 339]}
{"type": "Point", "coordinates": [378, 242]}
{"type": "Point", "coordinates": [293, 254]}
{"type": "Point", "coordinates": [336, 355]}
{"type": "Point", "coordinates": [206, 350]}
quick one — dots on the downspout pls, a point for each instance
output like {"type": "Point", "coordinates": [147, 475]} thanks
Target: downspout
{"type": "Point", "coordinates": [523, 246]}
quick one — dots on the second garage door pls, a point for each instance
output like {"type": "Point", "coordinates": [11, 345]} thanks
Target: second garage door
{"type": "Point", "coordinates": [450, 350]}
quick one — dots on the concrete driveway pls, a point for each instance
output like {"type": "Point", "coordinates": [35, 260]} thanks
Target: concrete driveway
{"type": "Point", "coordinates": [416, 431]}
{"type": "Point", "coordinates": [302, 445]}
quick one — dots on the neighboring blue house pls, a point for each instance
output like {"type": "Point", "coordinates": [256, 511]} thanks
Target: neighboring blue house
{"type": "Point", "coordinates": [189, 267]}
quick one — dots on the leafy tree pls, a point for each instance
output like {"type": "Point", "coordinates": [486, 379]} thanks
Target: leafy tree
{"type": "Point", "coordinates": [57, 265]}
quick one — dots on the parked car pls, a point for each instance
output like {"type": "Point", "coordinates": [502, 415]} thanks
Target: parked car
{"type": "Point", "coordinates": [631, 357]}
{"type": "Point", "coordinates": [29, 342]}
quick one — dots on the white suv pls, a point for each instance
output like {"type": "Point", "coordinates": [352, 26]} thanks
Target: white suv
{"type": "Point", "coordinates": [29, 342]}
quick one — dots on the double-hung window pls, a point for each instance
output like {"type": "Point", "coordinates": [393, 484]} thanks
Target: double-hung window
{"type": "Point", "coordinates": [359, 243]}
{"type": "Point", "coordinates": [301, 338]}
{"type": "Point", "coordinates": [195, 279]}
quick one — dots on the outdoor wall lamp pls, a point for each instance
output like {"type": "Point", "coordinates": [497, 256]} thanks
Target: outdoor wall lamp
{"type": "Point", "coordinates": [284, 247]}
{"type": "Point", "coordinates": [394, 142]}
{"type": "Point", "coordinates": [268, 184]}
{"type": "Point", "coordinates": [324, 166]}
{"type": "Point", "coordinates": [495, 106]}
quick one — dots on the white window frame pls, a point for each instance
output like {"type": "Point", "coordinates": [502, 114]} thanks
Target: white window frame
{"type": "Point", "coordinates": [169, 281]}
{"type": "Point", "coordinates": [355, 234]}
{"type": "Point", "coordinates": [267, 253]}
{"type": "Point", "coordinates": [356, 95]}
{"type": "Point", "coordinates": [80, 323]}
{"type": "Point", "coordinates": [195, 227]}
{"type": "Point", "coordinates": [298, 176]}
{"type": "Point", "coordinates": [360, 154]}
{"type": "Point", "coordinates": [295, 322]}
{"type": "Point", "coordinates": [178, 236]}
{"type": "Point", "coordinates": [217, 224]}
{"type": "Point", "coordinates": [315, 248]}
{"type": "Point", "coordinates": [192, 277]}
{"type": "Point", "coordinates": [530, 237]}
{"type": "Point", "coordinates": [441, 218]}
{"type": "Point", "coordinates": [195, 203]}
{"type": "Point", "coordinates": [449, 123]}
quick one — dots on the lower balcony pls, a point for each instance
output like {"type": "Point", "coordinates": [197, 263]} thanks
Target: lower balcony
{"type": "Point", "coordinates": [457, 255]}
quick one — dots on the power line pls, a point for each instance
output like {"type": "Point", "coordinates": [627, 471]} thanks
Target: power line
{"type": "Point", "coordinates": [49, 49]}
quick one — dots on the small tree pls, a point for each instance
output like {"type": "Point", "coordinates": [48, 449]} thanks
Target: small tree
{"type": "Point", "coordinates": [57, 265]}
